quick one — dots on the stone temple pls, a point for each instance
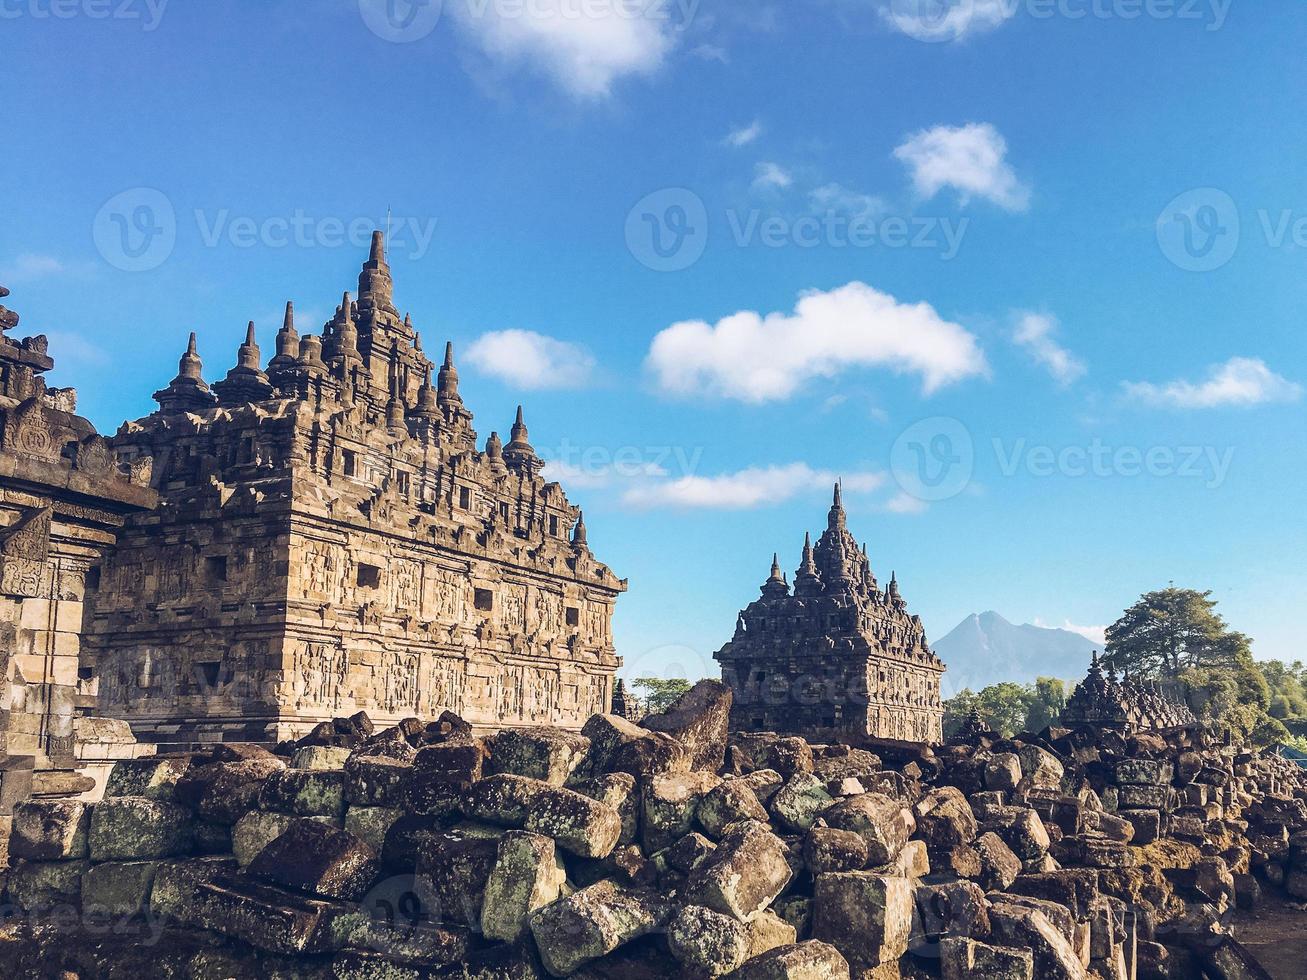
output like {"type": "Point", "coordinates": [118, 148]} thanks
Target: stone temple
{"type": "Point", "coordinates": [836, 656]}
{"type": "Point", "coordinates": [331, 536]}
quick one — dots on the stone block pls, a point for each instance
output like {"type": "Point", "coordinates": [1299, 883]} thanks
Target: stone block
{"type": "Point", "coordinates": [616, 789]}
{"type": "Point", "coordinates": [39, 886]}
{"type": "Point", "coordinates": [699, 720]}
{"type": "Point", "coordinates": [119, 888]}
{"type": "Point", "coordinates": [967, 959]}
{"type": "Point", "coordinates": [707, 943]}
{"type": "Point", "coordinates": [176, 883]}
{"type": "Point", "coordinates": [617, 745]}
{"type": "Point", "coordinates": [884, 823]}
{"type": "Point", "coordinates": [731, 801]}
{"type": "Point", "coordinates": [320, 758]}
{"type": "Point", "coordinates": [1144, 771]}
{"type": "Point", "coordinates": [744, 875]}
{"type": "Point", "coordinates": [441, 772]}
{"type": "Point", "coordinates": [548, 754]}
{"type": "Point", "coordinates": [1003, 772]}
{"type": "Point", "coordinates": [798, 803]}
{"type": "Point", "coordinates": [1147, 825]}
{"type": "Point", "coordinates": [999, 866]}
{"type": "Point", "coordinates": [955, 909]}
{"type": "Point", "coordinates": [1025, 928]}
{"type": "Point", "coordinates": [769, 931]}
{"type": "Point", "coordinates": [669, 804]}
{"type": "Point", "coordinates": [803, 961]}
{"type": "Point", "coordinates": [50, 830]}
{"type": "Point", "coordinates": [1143, 797]}
{"type": "Point", "coordinates": [304, 793]}
{"type": "Point", "coordinates": [579, 824]}
{"type": "Point", "coordinates": [266, 917]}
{"type": "Point", "coordinates": [224, 791]}
{"type": "Point", "coordinates": [154, 778]}
{"type": "Point", "coordinates": [593, 923]}
{"type": "Point", "coordinates": [319, 860]}
{"type": "Point", "coordinates": [131, 828]}
{"type": "Point", "coordinates": [527, 875]}
{"type": "Point", "coordinates": [867, 917]}
{"type": "Point", "coordinates": [455, 867]}
{"type": "Point", "coordinates": [1040, 768]}
{"type": "Point", "coordinates": [370, 824]}
{"type": "Point", "coordinates": [255, 831]}
{"type": "Point", "coordinates": [827, 849]}
{"type": "Point", "coordinates": [376, 781]}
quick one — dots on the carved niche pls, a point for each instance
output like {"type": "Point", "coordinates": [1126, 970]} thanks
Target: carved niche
{"type": "Point", "coordinates": [24, 553]}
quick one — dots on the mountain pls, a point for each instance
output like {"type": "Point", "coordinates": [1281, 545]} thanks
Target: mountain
{"type": "Point", "coordinates": [986, 649]}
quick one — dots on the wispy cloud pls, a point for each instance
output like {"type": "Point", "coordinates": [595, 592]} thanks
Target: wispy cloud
{"type": "Point", "coordinates": [28, 266]}
{"type": "Point", "coordinates": [757, 486]}
{"type": "Point", "coordinates": [970, 159]}
{"type": "Point", "coordinates": [844, 201]}
{"type": "Point", "coordinates": [772, 177]}
{"type": "Point", "coordinates": [906, 504]}
{"type": "Point", "coordinates": [584, 52]}
{"type": "Point", "coordinates": [745, 135]}
{"type": "Point", "coordinates": [946, 20]}
{"type": "Point", "coordinates": [1239, 382]}
{"type": "Point", "coordinates": [531, 360]}
{"type": "Point", "coordinates": [754, 358]}
{"type": "Point", "coordinates": [1034, 333]}
{"type": "Point", "coordinates": [1095, 634]}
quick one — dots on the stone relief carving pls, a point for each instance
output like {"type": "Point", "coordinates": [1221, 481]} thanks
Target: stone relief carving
{"type": "Point", "coordinates": [24, 554]}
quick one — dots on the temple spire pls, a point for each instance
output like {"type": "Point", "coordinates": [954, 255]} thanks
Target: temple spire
{"type": "Point", "coordinates": [288, 346]}
{"type": "Point", "coordinates": [245, 383]}
{"type": "Point", "coordinates": [518, 454]}
{"type": "Point", "coordinates": [187, 392]}
{"type": "Point", "coordinates": [375, 286]}
{"type": "Point", "coordinates": [775, 586]}
{"type": "Point", "coordinates": [579, 542]}
{"type": "Point", "coordinates": [836, 519]}
{"type": "Point", "coordinates": [448, 378]}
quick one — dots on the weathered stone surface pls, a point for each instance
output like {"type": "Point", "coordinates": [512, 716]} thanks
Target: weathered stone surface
{"type": "Point", "coordinates": [130, 828]}
{"type": "Point", "coordinates": [1040, 767]}
{"type": "Point", "coordinates": [370, 824]}
{"type": "Point", "coordinates": [120, 888]}
{"type": "Point", "coordinates": [592, 923]}
{"type": "Point", "coordinates": [885, 824]}
{"type": "Point", "coordinates": [944, 819]}
{"type": "Point", "coordinates": [255, 831]}
{"type": "Point", "coordinates": [769, 931]}
{"type": "Point", "coordinates": [320, 758]}
{"type": "Point", "coordinates": [50, 830]}
{"type": "Point", "coordinates": [267, 918]}
{"type": "Point", "coordinates": [455, 867]}
{"type": "Point", "coordinates": [1026, 928]}
{"type": "Point", "coordinates": [580, 825]}
{"type": "Point", "coordinates": [867, 917]}
{"type": "Point", "coordinates": [38, 886]}
{"type": "Point", "coordinates": [797, 804]}
{"type": "Point", "coordinates": [441, 772]}
{"type": "Point", "coordinates": [548, 754]}
{"type": "Point", "coordinates": [966, 959]}
{"type": "Point", "coordinates": [999, 866]}
{"type": "Point", "coordinates": [153, 778]}
{"type": "Point", "coordinates": [669, 805]}
{"type": "Point", "coordinates": [304, 793]}
{"type": "Point", "coordinates": [376, 781]}
{"type": "Point", "coordinates": [527, 875]}
{"type": "Point", "coordinates": [176, 883]}
{"type": "Point", "coordinates": [617, 745]}
{"type": "Point", "coordinates": [804, 961]}
{"type": "Point", "coordinates": [1003, 772]}
{"type": "Point", "coordinates": [699, 720]}
{"type": "Point", "coordinates": [744, 875]}
{"type": "Point", "coordinates": [617, 790]}
{"type": "Point", "coordinates": [731, 801]}
{"type": "Point", "coordinates": [707, 943]}
{"type": "Point", "coordinates": [827, 849]}
{"type": "Point", "coordinates": [316, 859]}
{"type": "Point", "coordinates": [223, 792]}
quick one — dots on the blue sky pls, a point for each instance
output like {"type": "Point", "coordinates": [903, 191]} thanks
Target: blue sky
{"type": "Point", "coordinates": [1028, 275]}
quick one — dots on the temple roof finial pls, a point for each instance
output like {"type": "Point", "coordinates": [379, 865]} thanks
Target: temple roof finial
{"type": "Point", "coordinates": [579, 542]}
{"type": "Point", "coordinates": [519, 453]}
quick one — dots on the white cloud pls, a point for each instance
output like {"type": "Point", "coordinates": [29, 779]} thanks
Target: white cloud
{"type": "Point", "coordinates": [745, 134]}
{"type": "Point", "coordinates": [971, 159]}
{"type": "Point", "coordinates": [1034, 334]}
{"type": "Point", "coordinates": [30, 266]}
{"type": "Point", "coordinates": [772, 177]}
{"type": "Point", "coordinates": [531, 360]}
{"type": "Point", "coordinates": [1095, 634]}
{"type": "Point", "coordinates": [946, 20]}
{"type": "Point", "coordinates": [75, 349]}
{"type": "Point", "coordinates": [905, 503]}
{"type": "Point", "coordinates": [755, 358]}
{"type": "Point", "coordinates": [585, 48]}
{"type": "Point", "coordinates": [841, 200]}
{"type": "Point", "coordinates": [756, 486]}
{"type": "Point", "coordinates": [1240, 381]}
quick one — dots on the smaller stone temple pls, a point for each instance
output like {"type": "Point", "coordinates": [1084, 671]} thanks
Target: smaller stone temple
{"type": "Point", "coordinates": [1128, 706]}
{"type": "Point", "coordinates": [837, 655]}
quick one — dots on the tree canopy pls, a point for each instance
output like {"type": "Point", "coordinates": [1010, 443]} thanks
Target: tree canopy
{"type": "Point", "coordinates": [1170, 631]}
{"type": "Point", "coordinates": [659, 693]}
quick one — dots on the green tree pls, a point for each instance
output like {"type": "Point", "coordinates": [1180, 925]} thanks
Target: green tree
{"type": "Point", "coordinates": [1169, 631]}
{"type": "Point", "coordinates": [1046, 707]}
{"type": "Point", "coordinates": [659, 693]}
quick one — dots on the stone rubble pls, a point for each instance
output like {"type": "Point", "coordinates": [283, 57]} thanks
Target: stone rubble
{"type": "Point", "coordinates": [425, 851]}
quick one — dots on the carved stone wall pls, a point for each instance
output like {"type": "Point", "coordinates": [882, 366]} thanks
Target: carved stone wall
{"type": "Point", "coordinates": [63, 496]}
{"type": "Point", "coordinates": [836, 656]}
{"type": "Point", "coordinates": [332, 536]}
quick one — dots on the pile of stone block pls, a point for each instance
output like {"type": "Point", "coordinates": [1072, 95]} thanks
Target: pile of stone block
{"type": "Point", "coordinates": [665, 849]}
